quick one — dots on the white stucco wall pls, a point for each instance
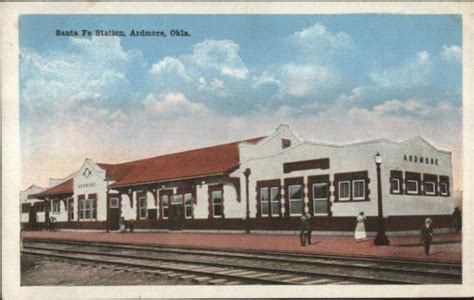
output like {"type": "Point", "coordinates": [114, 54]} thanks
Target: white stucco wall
{"type": "Point", "coordinates": [266, 161]}
{"type": "Point", "coordinates": [416, 204]}
{"type": "Point", "coordinates": [128, 212]}
{"type": "Point", "coordinates": [40, 217]}
{"type": "Point", "coordinates": [232, 208]}
{"type": "Point", "coordinates": [33, 189]}
{"type": "Point", "coordinates": [62, 215]}
{"type": "Point", "coordinates": [201, 210]}
{"type": "Point", "coordinates": [92, 183]}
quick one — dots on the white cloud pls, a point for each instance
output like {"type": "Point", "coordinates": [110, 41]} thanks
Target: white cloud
{"type": "Point", "coordinates": [317, 40]}
{"type": "Point", "coordinates": [312, 72]}
{"type": "Point", "coordinates": [265, 78]}
{"type": "Point", "coordinates": [413, 72]}
{"type": "Point", "coordinates": [318, 36]}
{"type": "Point", "coordinates": [235, 72]}
{"type": "Point", "coordinates": [92, 71]}
{"type": "Point", "coordinates": [174, 105]}
{"type": "Point", "coordinates": [408, 108]}
{"type": "Point", "coordinates": [222, 55]}
{"type": "Point", "coordinates": [215, 85]}
{"type": "Point", "coordinates": [355, 95]}
{"type": "Point", "coordinates": [108, 48]}
{"type": "Point", "coordinates": [301, 80]}
{"type": "Point", "coordinates": [93, 117]}
{"type": "Point", "coordinates": [452, 53]}
{"type": "Point", "coordinates": [169, 65]}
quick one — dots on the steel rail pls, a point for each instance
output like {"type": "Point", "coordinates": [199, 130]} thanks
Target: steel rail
{"type": "Point", "coordinates": [239, 274]}
{"type": "Point", "coordinates": [275, 271]}
{"type": "Point", "coordinates": [306, 259]}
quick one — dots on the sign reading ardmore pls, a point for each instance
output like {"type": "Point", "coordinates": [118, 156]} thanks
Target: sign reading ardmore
{"type": "Point", "coordinates": [421, 159]}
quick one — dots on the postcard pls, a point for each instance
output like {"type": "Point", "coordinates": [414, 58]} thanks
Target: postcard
{"type": "Point", "coordinates": [236, 150]}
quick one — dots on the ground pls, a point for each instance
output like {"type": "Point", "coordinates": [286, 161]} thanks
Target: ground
{"type": "Point", "coordinates": [40, 271]}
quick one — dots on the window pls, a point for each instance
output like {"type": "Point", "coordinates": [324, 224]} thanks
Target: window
{"type": "Point", "coordinates": [296, 199]}
{"type": "Point", "coordinates": [443, 188]}
{"type": "Point", "coordinates": [430, 188]}
{"type": "Point", "coordinates": [56, 207]}
{"type": "Point", "coordinates": [177, 200]}
{"type": "Point", "coordinates": [320, 197]}
{"type": "Point", "coordinates": [114, 202]}
{"type": "Point", "coordinates": [87, 209]}
{"type": "Point", "coordinates": [344, 190]}
{"type": "Point", "coordinates": [40, 208]}
{"type": "Point", "coordinates": [275, 196]}
{"type": "Point", "coordinates": [71, 208]}
{"type": "Point", "coordinates": [142, 207]}
{"type": "Point", "coordinates": [396, 186]}
{"type": "Point", "coordinates": [412, 186]}
{"type": "Point", "coordinates": [217, 203]}
{"type": "Point", "coordinates": [188, 205]}
{"type": "Point", "coordinates": [412, 183]}
{"type": "Point", "coordinates": [285, 143]}
{"type": "Point", "coordinates": [444, 185]}
{"type": "Point", "coordinates": [25, 208]}
{"type": "Point", "coordinates": [165, 204]}
{"type": "Point", "coordinates": [264, 199]}
{"type": "Point", "coordinates": [358, 189]}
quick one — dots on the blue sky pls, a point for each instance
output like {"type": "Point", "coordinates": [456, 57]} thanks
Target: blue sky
{"type": "Point", "coordinates": [358, 76]}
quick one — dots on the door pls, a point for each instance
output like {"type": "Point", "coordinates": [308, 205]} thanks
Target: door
{"type": "Point", "coordinates": [46, 213]}
{"type": "Point", "coordinates": [114, 214]}
{"type": "Point", "coordinates": [177, 216]}
{"type": "Point", "coordinates": [32, 215]}
{"type": "Point", "coordinates": [70, 209]}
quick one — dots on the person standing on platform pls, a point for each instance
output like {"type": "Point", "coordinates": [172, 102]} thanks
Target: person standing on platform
{"type": "Point", "coordinates": [426, 236]}
{"type": "Point", "coordinates": [303, 230]}
{"type": "Point", "coordinates": [360, 234]}
{"type": "Point", "coordinates": [309, 228]}
{"type": "Point", "coordinates": [122, 224]}
{"type": "Point", "coordinates": [457, 218]}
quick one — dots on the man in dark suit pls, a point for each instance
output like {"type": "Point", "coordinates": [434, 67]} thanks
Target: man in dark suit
{"type": "Point", "coordinates": [303, 227]}
{"type": "Point", "coordinates": [426, 236]}
{"type": "Point", "coordinates": [306, 229]}
{"type": "Point", "coordinates": [309, 228]}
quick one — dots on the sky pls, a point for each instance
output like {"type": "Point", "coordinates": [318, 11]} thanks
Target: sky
{"type": "Point", "coordinates": [333, 78]}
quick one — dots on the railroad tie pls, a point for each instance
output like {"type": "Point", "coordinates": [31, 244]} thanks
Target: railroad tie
{"type": "Point", "coordinates": [190, 276]}
{"type": "Point", "coordinates": [278, 277]}
{"type": "Point", "coordinates": [234, 283]}
{"type": "Point", "coordinates": [173, 275]}
{"type": "Point", "coordinates": [245, 273]}
{"type": "Point", "coordinates": [218, 281]}
{"type": "Point", "coordinates": [158, 272]}
{"type": "Point", "coordinates": [202, 279]}
{"type": "Point", "coordinates": [209, 269]}
{"type": "Point", "coordinates": [227, 272]}
{"type": "Point", "coordinates": [320, 281]}
{"type": "Point", "coordinates": [295, 279]}
{"type": "Point", "coordinates": [342, 282]}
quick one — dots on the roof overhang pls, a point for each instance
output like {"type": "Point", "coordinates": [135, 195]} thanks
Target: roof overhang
{"type": "Point", "coordinates": [113, 186]}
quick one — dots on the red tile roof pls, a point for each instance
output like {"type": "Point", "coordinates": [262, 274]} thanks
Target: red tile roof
{"type": "Point", "coordinates": [116, 172]}
{"type": "Point", "coordinates": [193, 163]}
{"type": "Point", "coordinates": [60, 189]}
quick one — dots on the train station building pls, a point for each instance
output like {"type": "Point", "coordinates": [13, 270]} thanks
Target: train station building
{"type": "Point", "coordinates": [264, 183]}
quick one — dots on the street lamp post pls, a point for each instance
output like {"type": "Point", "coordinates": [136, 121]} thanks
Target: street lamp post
{"type": "Point", "coordinates": [381, 239]}
{"type": "Point", "coordinates": [247, 221]}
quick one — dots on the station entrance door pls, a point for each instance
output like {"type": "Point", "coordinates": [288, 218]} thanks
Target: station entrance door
{"type": "Point", "coordinates": [177, 213]}
{"type": "Point", "coordinates": [114, 213]}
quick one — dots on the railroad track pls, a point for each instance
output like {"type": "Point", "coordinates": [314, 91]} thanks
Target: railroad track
{"type": "Point", "coordinates": [245, 267]}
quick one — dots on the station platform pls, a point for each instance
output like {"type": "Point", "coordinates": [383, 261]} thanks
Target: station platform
{"type": "Point", "coordinates": [445, 247]}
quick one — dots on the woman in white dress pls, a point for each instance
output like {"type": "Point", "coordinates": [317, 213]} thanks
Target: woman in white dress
{"type": "Point", "coordinates": [360, 234]}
